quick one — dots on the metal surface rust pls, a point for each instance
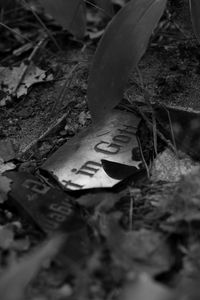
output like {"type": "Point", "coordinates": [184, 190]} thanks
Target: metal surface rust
{"type": "Point", "coordinates": [77, 164]}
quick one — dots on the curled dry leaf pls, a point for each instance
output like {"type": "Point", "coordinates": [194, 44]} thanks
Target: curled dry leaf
{"type": "Point", "coordinates": [6, 167]}
{"type": "Point", "coordinates": [145, 288]}
{"type": "Point", "coordinates": [168, 167]}
{"type": "Point", "coordinates": [188, 285]}
{"type": "Point", "coordinates": [184, 205]}
{"type": "Point", "coordinates": [143, 250]}
{"type": "Point", "coordinates": [16, 277]}
{"type": "Point", "coordinates": [122, 46]}
{"type": "Point", "coordinates": [7, 150]}
{"type": "Point", "coordinates": [10, 79]}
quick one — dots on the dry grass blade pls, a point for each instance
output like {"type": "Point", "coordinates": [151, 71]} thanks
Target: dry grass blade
{"type": "Point", "coordinates": [28, 63]}
{"type": "Point", "coordinates": [15, 32]}
{"type": "Point", "coordinates": [43, 25]}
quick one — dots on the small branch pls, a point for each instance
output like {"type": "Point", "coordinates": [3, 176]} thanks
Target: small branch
{"type": "Point", "coordinates": [15, 32]}
{"type": "Point", "coordinates": [28, 64]}
{"type": "Point", "coordinates": [42, 24]}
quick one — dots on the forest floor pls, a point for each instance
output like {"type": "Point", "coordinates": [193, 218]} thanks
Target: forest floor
{"type": "Point", "coordinates": [141, 238]}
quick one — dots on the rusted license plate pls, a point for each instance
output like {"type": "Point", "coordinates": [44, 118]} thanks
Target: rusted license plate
{"type": "Point", "coordinates": [77, 164]}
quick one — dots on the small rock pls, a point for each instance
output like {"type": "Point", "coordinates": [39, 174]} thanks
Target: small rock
{"type": "Point", "coordinates": [65, 290]}
{"type": "Point", "coordinates": [71, 130]}
{"type": "Point", "coordinates": [63, 132]}
{"type": "Point", "coordinates": [83, 117]}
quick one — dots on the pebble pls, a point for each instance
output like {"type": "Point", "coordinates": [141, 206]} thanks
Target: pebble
{"type": "Point", "coordinates": [65, 290]}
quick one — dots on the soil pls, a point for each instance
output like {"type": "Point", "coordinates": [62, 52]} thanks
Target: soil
{"type": "Point", "coordinates": [42, 121]}
{"type": "Point", "coordinates": [169, 70]}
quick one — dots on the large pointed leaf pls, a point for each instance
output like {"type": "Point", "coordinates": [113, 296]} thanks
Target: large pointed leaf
{"type": "Point", "coordinates": [195, 16]}
{"type": "Point", "coordinates": [70, 14]}
{"type": "Point", "coordinates": [120, 49]}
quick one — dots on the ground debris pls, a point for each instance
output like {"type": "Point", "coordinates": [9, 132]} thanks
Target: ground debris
{"type": "Point", "coordinates": [5, 187]}
{"type": "Point", "coordinates": [13, 84]}
{"type": "Point", "coordinates": [142, 251]}
{"type": "Point", "coordinates": [168, 167]}
{"type": "Point", "coordinates": [16, 277]}
{"type": "Point", "coordinates": [7, 150]}
{"type": "Point", "coordinates": [145, 288]}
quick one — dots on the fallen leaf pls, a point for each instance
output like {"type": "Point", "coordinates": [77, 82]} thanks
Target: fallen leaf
{"type": "Point", "coordinates": [145, 288]}
{"type": "Point", "coordinates": [142, 251]}
{"type": "Point", "coordinates": [5, 187]}
{"type": "Point", "coordinates": [16, 277]}
{"type": "Point", "coordinates": [188, 284]}
{"type": "Point", "coordinates": [10, 77]}
{"type": "Point", "coordinates": [186, 195]}
{"type": "Point", "coordinates": [183, 205]}
{"type": "Point", "coordinates": [6, 167]}
{"type": "Point", "coordinates": [69, 14]}
{"type": "Point", "coordinates": [122, 46]}
{"type": "Point", "coordinates": [95, 34]}
{"type": "Point", "coordinates": [84, 117]}
{"type": "Point", "coordinates": [168, 167]}
{"type": "Point", "coordinates": [7, 150]}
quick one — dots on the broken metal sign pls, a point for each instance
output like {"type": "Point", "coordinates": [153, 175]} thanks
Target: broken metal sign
{"type": "Point", "coordinates": [77, 164]}
{"type": "Point", "coordinates": [48, 208]}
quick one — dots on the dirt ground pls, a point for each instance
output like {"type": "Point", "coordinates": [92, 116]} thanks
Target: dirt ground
{"type": "Point", "coordinates": [169, 70]}
{"type": "Point", "coordinates": [42, 121]}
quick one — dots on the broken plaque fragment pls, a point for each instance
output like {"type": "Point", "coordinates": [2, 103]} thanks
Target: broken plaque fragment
{"type": "Point", "coordinates": [49, 208]}
{"type": "Point", "coordinates": [77, 164]}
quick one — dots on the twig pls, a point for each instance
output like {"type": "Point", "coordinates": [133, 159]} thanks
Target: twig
{"type": "Point", "coordinates": [62, 93]}
{"type": "Point", "coordinates": [15, 32]}
{"type": "Point", "coordinates": [28, 63]}
{"type": "Point", "coordinates": [147, 100]}
{"type": "Point", "coordinates": [99, 8]}
{"type": "Point", "coordinates": [42, 24]}
{"type": "Point", "coordinates": [143, 159]}
{"type": "Point", "coordinates": [131, 213]}
{"type": "Point", "coordinates": [150, 126]}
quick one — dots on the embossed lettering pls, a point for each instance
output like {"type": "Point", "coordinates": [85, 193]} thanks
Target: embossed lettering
{"type": "Point", "coordinates": [50, 224]}
{"type": "Point", "coordinates": [36, 186]}
{"type": "Point", "coordinates": [70, 185]}
{"type": "Point", "coordinates": [110, 149]}
{"type": "Point", "coordinates": [89, 168]}
{"type": "Point", "coordinates": [122, 139]}
{"type": "Point", "coordinates": [128, 130]}
{"type": "Point", "coordinates": [62, 209]}
{"type": "Point", "coordinates": [58, 217]}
